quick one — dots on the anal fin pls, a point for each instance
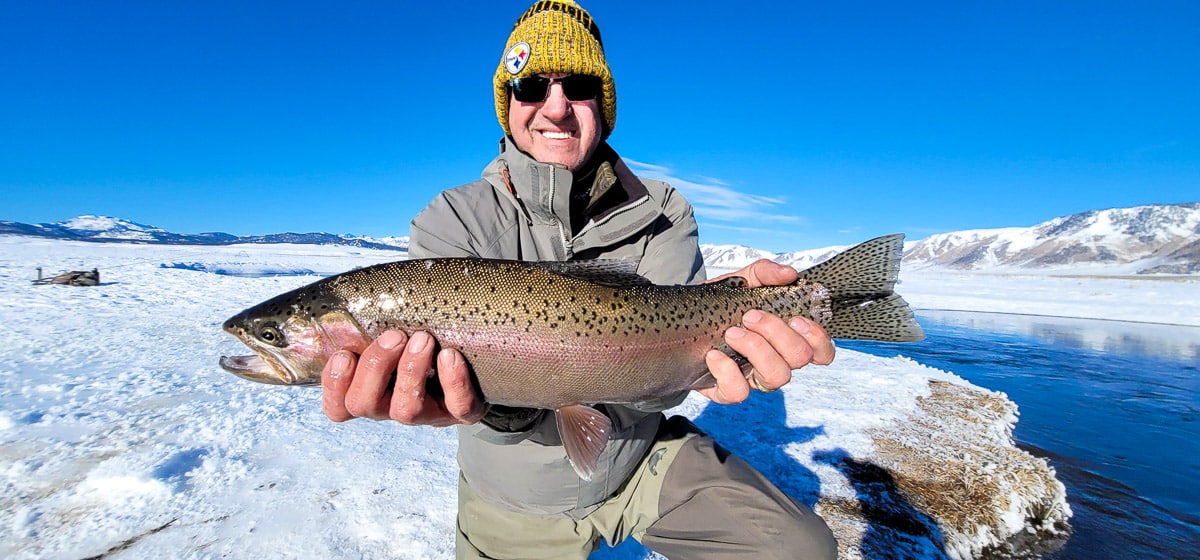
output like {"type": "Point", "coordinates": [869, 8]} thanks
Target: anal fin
{"type": "Point", "coordinates": [707, 380]}
{"type": "Point", "coordinates": [584, 433]}
{"type": "Point", "coordinates": [704, 382]}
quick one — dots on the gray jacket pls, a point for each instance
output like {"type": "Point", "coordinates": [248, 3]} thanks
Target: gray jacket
{"type": "Point", "coordinates": [520, 210]}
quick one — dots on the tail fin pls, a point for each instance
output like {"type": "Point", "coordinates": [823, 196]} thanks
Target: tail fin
{"type": "Point", "coordinates": [861, 281]}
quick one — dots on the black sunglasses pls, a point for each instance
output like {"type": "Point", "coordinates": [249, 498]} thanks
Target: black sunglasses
{"type": "Point", "coordinates": [577, 87]}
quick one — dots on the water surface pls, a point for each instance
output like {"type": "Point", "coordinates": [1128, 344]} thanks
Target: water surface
{"type": "Point", "coordinates": [1113, 406]}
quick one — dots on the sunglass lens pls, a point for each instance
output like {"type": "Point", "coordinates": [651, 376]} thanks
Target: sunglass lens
{"type": "Point", "coordinates": [579, 87]}
{"type": "Point", "coordinates": [530, 89]}
{"type": "Point", "coordinates": [576, 87]}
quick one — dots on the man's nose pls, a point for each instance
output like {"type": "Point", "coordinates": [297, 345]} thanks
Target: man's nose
{"type": "Point", "coordinates": [556, 107]}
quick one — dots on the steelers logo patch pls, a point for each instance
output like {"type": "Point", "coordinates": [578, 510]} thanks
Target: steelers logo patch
{"type": "Point", "coordinates": [517, 57]}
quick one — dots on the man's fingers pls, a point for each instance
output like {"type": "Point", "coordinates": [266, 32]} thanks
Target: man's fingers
{"type": "Point", "coordinates": [780, 342]}
{"type": "Point", "coordinates": [770, 273]}
{"type": "Point", "coordinates": [461, 400]}
{"type": "Point", "coordinates": [731, 383]}
{"type": "Point", "coordinates": [775, 348]}
{"type": "Point", "coordinates": [368, 395]}
{"type": "Point", "coordinates": [390, 380]}
{"type": "Point", "coordinates": [763, 272]}
{"type": "Point", "coordinates": [410, 404]}
{"type": "Point", "coordinates": [770, 369]}
{"type": "Point", "coordinates": [818, 340]}
{"type": "Point", "coordinates": [335, 381]}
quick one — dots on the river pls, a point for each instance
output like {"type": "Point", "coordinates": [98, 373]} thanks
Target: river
{"type": "Point", "coordinates": [1114, 407]}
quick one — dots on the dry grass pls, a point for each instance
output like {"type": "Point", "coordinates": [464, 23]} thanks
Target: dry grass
{"type": "Point", "coordinates": [949, 477]}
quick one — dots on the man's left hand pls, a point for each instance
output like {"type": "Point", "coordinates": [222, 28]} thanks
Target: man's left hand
{"type": "Point", "coordinates": [774, 346]}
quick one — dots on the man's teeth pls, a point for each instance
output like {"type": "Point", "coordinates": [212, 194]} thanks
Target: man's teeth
{"type": "Point", "coordinates": [556, 135]}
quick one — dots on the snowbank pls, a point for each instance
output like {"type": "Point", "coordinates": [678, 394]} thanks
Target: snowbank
{"type": "Point", "coordinates": [118, 432]}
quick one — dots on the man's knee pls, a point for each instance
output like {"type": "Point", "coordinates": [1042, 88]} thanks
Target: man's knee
{"type": "Point", "coordinates": [810, 541]}
{"type": "Point", "coordinates": [712, 496]}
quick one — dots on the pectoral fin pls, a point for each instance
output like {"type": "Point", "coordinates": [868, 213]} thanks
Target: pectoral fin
{"type": "Point", "coordinates": [339, 330]}
{"type": "Point", "coordinates": [584, 433]}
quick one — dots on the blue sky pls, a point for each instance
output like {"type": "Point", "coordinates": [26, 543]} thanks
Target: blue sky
{"type": "Point", "coordinates": [790, 125]}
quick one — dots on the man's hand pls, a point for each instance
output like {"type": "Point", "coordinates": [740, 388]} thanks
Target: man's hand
{"type": "Point", "coordinates": [774, 346]}
{"type": "Point", "coordinates": [362, 387]}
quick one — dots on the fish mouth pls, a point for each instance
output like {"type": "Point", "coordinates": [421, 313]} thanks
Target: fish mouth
{"type": "Point", "coordinates": [255, 368]}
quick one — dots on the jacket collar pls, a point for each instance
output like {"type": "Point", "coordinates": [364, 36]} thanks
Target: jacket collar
{"type": "Point", "coordinates": [543, 190]}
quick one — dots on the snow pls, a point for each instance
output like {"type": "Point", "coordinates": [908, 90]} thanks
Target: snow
{"type": "Point", "coordinates": [96, 223]}
{"type": "Point", "coordinates": [118, 431]}
{"type": "Point", "coordinates": [1167, 300]}
{"type": "Point", "coordinates": [106, 227]}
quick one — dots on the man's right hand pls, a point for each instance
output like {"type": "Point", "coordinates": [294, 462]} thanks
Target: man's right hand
{"type": "Point", "coordinates": [361, 386]}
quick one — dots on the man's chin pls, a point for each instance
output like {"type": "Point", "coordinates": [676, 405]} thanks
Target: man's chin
{"type": "Point", "coordinates": [571, 161]}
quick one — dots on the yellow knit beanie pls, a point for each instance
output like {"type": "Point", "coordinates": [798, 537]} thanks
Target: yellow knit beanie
{"type": "Point", "coordinates": [555, 36]}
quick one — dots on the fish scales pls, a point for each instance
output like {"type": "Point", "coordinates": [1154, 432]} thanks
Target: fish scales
{"type": "Point", "coordinates": [512, 320]}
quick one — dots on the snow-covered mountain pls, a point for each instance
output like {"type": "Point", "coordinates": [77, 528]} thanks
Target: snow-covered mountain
{"type": "Point", "coordinates": [732, 256]}
{"type": "Point", "coordinates": [1143, 240]}
{"type": "Point", "coordinates": [1152, 239]}
{"type": "Point", "coordinates": [104, 228]}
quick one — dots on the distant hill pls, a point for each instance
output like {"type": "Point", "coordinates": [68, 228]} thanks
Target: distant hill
{"type": "Point", "coordinates": [1151, 239]}
{"type": "Point", "coordinates": [1142, 240]}
{"type": "Point", "coordinates": [108, 229]}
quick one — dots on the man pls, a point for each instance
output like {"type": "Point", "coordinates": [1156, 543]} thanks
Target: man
{"type": "Point", "coordinates": [558, 191]}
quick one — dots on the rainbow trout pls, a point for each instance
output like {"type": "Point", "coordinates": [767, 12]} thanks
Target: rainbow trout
{"type": "Point", "coordinates": [562, 335]}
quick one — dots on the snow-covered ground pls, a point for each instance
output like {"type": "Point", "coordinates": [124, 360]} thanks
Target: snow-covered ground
{"type": "Point", "coordinates": [1153, 299]}
{"type": "Point", "coordinates": [118, 431]}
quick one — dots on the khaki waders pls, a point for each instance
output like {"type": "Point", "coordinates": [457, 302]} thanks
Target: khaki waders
{"type": "Point", "coordinates": [689, 499]}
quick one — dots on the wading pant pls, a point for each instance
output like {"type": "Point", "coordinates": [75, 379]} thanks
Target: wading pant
{"type": "Point", "coordinates": [689, 499]}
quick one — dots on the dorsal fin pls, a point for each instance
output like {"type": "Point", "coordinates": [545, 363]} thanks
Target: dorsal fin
{"type": "Point", "coordinates": [606, 272]}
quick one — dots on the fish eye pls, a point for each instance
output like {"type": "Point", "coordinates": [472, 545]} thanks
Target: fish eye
{"type": "Point", "coordinates": [271, 335]}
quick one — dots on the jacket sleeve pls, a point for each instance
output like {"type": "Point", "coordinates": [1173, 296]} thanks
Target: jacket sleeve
{"type": "Point", "coordinates": [437, 231]}
{"type": "Point", "coordinates": [672, 253]}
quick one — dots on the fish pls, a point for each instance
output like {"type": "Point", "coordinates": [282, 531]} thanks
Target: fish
{"type": "Point", "coordinates": [563, 336]}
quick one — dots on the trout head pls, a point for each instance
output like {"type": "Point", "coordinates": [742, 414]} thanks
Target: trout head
{"type": "Point", "coordinates": [293, 336]}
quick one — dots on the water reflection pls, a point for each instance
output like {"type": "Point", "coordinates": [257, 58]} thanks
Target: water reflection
{"type": "Point", "coordinates": [1172, 342]}
{"type": "Point", "coordinates": [1113, 405]}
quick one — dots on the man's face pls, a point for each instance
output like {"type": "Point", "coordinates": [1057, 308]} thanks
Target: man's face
{"type": "Point", "coordinates": [556, 130]}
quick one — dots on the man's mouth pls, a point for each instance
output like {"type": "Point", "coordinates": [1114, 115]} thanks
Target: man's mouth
{"type": "Point", "coordinates": [556, 134]}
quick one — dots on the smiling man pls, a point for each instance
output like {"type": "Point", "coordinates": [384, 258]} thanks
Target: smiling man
{"type": "Point", "coordinates": [547, 124]}
{"type": "Point", "coordinates": [557, 191]}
